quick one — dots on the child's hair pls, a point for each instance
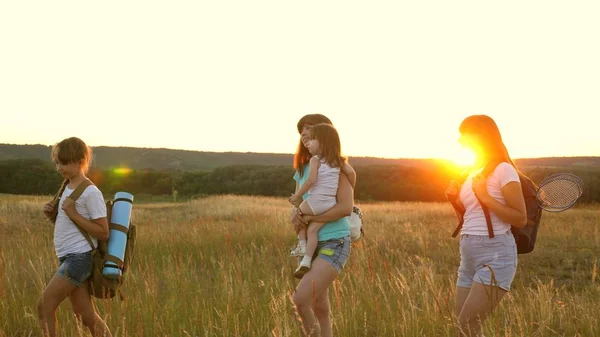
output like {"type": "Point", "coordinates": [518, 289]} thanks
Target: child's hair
{"type": "Point", "coordinates": [329, 142]}
{"type": "Point", "coordinates": [302, 156]}
{"type": "Point", "coordinates": [72, 150]}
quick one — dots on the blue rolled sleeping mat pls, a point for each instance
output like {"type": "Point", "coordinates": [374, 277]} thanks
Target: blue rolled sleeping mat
{"type": "Point", "coordinates": [117, 240]}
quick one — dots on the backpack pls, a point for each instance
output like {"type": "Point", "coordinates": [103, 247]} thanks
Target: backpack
{"type": "Point", "coordinates": [100, 286]}
{"type": "Point", "coordinates": [356, 224]}
{"type": "Point", "coordinates": [524, 237]}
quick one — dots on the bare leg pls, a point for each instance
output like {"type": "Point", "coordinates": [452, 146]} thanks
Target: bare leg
{"type": "Point", "coordinates": [56, 291]}
{"type": "Point", "coordinates": [85, 311]}
{"type": "Point", "coordinates": [311, 243]}
{"type": "Point", "coordinates": [480, 302]}
{"type": "Point", "coordinates": [302, 234]}
{"type": "Point", "coordinates": [312, 287]}
{"type": "Point", "coordinates": [312, 237]}
{"type": "Point", "coordinates": [311, 231]}
{"type": "Point", "coordinates": [305, 209]}
{"type": "Point", "coordinates": [321, 307]}
{"type": "Point", "coordinates": [461, 296]}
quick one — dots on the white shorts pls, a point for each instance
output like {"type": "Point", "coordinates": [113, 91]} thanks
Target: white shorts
{"type": "Point", "coordinates": [320, 204]}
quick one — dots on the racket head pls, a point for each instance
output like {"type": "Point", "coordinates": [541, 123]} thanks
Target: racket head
{"type": "Point", "coordinates": [559, 192]}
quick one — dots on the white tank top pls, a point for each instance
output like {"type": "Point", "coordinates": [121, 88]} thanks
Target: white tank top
{"type": "Point", "coordinates": [327, 182]}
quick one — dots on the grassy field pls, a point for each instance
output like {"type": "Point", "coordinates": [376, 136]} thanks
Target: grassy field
{"type": "Point", "coordinates": [219, 267]}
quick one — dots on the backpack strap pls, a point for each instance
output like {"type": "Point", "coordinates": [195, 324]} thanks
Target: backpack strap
{"type": "Point", "coordinates": [114, 260]}
{"type": "Point", "coordinates": [488, 218]}
{"type": "Point", "coordinates": [118, 227]}
{"type": "Point", "coordinates": [459, 209]}
{"type": "Point", "coordinates": [60, 191]}
{"type": "Point", "coordinates": [56, 200]}
{"type": "Point", "coordinates": [489, 168]}
{"type": "Point", "coordinates": [486, 211]}
{"type": "Point", "coordinates": [74, 196]}
{"type": "Point", "coordinates": [79, 189]}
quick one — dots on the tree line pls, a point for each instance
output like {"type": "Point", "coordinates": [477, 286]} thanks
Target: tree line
{"type": "Point", "coordinates": [375, 182]}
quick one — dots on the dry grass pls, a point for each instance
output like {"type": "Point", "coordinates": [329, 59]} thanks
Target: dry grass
{"type": "Point", "coordinates": [219, 267]}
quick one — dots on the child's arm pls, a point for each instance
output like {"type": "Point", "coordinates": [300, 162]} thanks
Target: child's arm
{"type": "Point", "coordinates": [349, 171]}
{"type": "Point", "coordinates": [97, 228]}
{"type": "Point", "coordinates": [343, 207]}
{"type": "Point", "coordinates": [295, 202]}
{"type": "Point", "coordinates": [313, 170]}
{"type": "Point", "coordinates": [48, 209]}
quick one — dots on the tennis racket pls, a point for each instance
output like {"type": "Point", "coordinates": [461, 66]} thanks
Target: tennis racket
{"type": "Point", "coordinates": [559, 192]}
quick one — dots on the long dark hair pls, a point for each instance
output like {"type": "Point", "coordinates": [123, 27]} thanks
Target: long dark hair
{"type": "Point", "coordinates": [490, 140]}
{"type": "Point", "coordinates": [302, 156]}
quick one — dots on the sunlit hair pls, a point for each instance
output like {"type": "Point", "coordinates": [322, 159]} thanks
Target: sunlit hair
{"type": "Point", "coordinates": [488, 136]}
{"type": "Point", "coordinates": [490, 140]}
{"type": "Point", "coordinates": [72, 150]}
{"type": "Point", "coordinates": [329, 144]}
{"type": "Point", "coordinates": [302, 156]}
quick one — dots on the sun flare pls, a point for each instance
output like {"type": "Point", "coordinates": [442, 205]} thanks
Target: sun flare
{"type": "Point", "coordinates": [462, 157]}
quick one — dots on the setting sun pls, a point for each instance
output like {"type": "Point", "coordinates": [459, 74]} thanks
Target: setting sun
{"type": "Point", "coordinates": [461, 157]}
{"type": "Point", "coordinates": [233, 90]}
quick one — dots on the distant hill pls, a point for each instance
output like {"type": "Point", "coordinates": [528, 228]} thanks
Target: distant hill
{"type": "Point", "coordinates": [183, 160]}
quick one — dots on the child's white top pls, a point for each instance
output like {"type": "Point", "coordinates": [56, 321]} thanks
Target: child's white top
{"type": "Point", "coordinates": [327, 182]}
{"type": "Point", "coordinates": [474, 217]}
{"type": "Point", "coordinates": [67, 237]}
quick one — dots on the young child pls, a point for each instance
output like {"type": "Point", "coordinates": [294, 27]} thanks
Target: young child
{"type": "Point", "coordinates": [72, 158]}
{"type": "Point", "coordinates": [321, 185]}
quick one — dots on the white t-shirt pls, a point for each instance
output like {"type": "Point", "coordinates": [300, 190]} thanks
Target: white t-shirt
{"type": "Point", "coordinates": [474, 217]}
{"type": "Point", "coordinates": [67, 237]}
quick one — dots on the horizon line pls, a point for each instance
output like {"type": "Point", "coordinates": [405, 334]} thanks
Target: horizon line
{"type": "Point", "coordinates": [291, 154]}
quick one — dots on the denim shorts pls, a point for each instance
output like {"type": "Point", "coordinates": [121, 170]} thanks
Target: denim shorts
{"type": "Point", "coordinates": [75, 268]}
{"type": "Point", "coordinates": [487, 261]}
{"type": "Point", "coordinates": [334, 251]}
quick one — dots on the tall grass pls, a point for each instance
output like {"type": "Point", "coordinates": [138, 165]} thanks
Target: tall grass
{"type": "Point", "coordinates": [219, 267]}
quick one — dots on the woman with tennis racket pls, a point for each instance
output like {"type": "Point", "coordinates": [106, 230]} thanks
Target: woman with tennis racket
{"type": "Point", "coordinates": [488, 203]}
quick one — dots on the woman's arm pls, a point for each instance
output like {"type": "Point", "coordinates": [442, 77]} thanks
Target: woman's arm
{"type": "Point", "coordinates": [514, 212]}
{"type": "Point", "coordinates": [313, 170]}
{"type": "Point", "coordinates": [343, 207]}
{"type": "Point", "coordinates": [350, 173]}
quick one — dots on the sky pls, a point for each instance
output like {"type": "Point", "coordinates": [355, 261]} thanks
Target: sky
{"type": "Point", "coordinates": [396, 78]}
